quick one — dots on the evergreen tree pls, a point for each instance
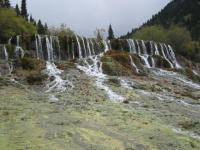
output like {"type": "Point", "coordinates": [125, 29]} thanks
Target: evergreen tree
{"type": "Point", "coordinates": [1, 3]}
{"type": "Point", "coordinates": [40, 27]}
{"type": "Point", "coordinates": [110, 33]}
{"type": "Point", "coordinates": [24, 12]}
{"type": "Point", "coordinates": [17, 10]}
{"type": "Point", "coordinates": [46, 28]}
{"type": "Point", "coordinates": [7, 3]}
{"type": "Point", "coordinates": [31, 19]}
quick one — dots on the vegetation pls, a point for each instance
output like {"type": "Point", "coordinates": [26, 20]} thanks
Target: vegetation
{"type": "Point", "coordinates": [11, 25]}
{"type": "Point", "coordinates": [178, 37]}
{"type": "Point", "coordinates": [110, 33]}
{"type": "Point", "coordinates": [24, 12]}
{"type": "Point", "coordinates": [5, 3]}
{"type": "Point", "coordinates": [177, 24]}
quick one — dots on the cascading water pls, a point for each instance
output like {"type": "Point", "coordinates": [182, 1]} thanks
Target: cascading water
{"type": "Point", "coordinates": [133, 64]}
{"type": "Point", "coordinates": [95, 70]}
{"type": "Point", "coordinates": [79, 47]}
{"type": "Point", "coordinates": [88, 47]}
{"type": "Point", "coordinates": [5, 53]}
{"type": "Point", "coordinates": [84, 46]}
{"type": "Point", "coordinates": [92, 47]}
{"type": "Point", "coordinates": [156, 49]}
{"type": "Point", "coordinates": [163, 53]}
{"type": "Point", "coordinates": [57, 84]}
{"type": "Point", "coordinates": [18, 50]}
{"type": "Point", "coordinates": [173, 57]}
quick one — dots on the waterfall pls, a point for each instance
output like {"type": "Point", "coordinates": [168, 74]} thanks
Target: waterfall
{"type": "Point", "coordinates": [173, 57]}
{"type": "Point", "coordinates": [92, 47]}
{"type": "Point", "coordinates": [138, 45]}
{"type": "Point", "coordinates": [156, 49]}
{"type": "Point", "coordinates": [49, 49]}
{"type": "Point", "coordinates": [79, 47]}
{"type": "Point", "coordinates": [133, 64]}
{"type": "Point", "coordinates": [94, 69]}
{"type": "Point", "coordinates": [131, 45]}
{"type": "Point", "coordinates": [144, 48]}
{"type": "Point", "coordinates": [106, 47]}
{"type": "Point", "coordinates": [88, 46]}
{"type": "Point", "coordinates": [163, 53]}
{"type": "Point", "coordinates": [39, 49]}
{"type": "Point", "coordinates": [58, 84]}
{"type": "Point", "coordinates": [73, 55]}
{"type": "Point", "coordinates": [153, 62]}
{"type": "Point", "coordinates": [5, 53]}
{"type": "Point", "coordinates": [9, 41]}
{"type": "Point", "coordinates": [19, 52]}
{"type": "Point", "coordinates": [145, 59]}
{"type": "Point", "coordinates": [151, 47]}
{"type": "Point", "coordinates": [109, 45]}
{"type": "Point", "coordinates": [84, 46]}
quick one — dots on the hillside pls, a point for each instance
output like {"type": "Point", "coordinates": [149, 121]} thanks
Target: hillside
{"type": "Point", "coordinates": [11, 25]}
{"type": "Point", "coordinates": [182, 12]}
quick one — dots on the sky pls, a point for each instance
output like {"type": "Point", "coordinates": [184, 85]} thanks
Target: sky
{"type": "Point", "coordinates": [84, 16]}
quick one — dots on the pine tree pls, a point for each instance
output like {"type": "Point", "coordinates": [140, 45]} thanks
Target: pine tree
{"type": "Point", "coordinates": [110, 33]}
{"type": "Point", "coordinates": [1, 3]}
{"type": "Point", "coordinates": [17, 10]}
{"type": "Point", "coordinates": [40, 27]}
{"type": "Point", "coordinates": [24, 12]}
{"type": "Point", "coordinates": [46, 28]}
{"type": "Point", "coordinates": [7, 3]}
{"type": "Point", "coordinates": [31, 19]}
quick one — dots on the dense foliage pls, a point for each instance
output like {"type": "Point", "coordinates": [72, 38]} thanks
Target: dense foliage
{"type": "Point", "coordinates": [11, 25]}
{"type": "Point", "coordinates": [176, 36]}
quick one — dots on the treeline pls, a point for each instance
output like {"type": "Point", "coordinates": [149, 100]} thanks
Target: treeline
{"type": "Point", "coordinates": [21, 12]}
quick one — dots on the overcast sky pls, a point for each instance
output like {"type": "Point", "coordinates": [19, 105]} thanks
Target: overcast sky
{"type": "Point", "coordinates": [84, 16]}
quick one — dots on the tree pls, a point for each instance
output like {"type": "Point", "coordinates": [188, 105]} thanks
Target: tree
{"type": "Point", "coordinates": [5, 3]}
{"type": "Point", "coordinates": [17, 10]}
{"type": "Point", "coordinates": [24, 12]}
{"type": "Point", "coordinates": [110, 33]}
{"type": "Point", "coordinates": [31, 19]}
{"type": "Point", "coordinates": [46, 28]}
{"type": "Point", "coordinates": [40, 27]}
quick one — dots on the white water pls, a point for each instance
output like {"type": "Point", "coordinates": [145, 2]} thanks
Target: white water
{"type": "Point", "coordinates": [79, 47]}
{"type": "Point", "coordinates": [5, 53]}
{"type": "Point", "coordinates": [92, 47]}
{"type": "Point", "coordinates": [144, 48]}
{"type": "Point", "coordinates": [163, 53]}
{"type": "Point", "coordinates": [88, 47]}
{"type": "Point", "coordinates": [138, 45]}
{"type": "Point", "coordinates": [84, 46]}
{"type": "Point", "coordinates": [133, 64]}
{"type": "Point", "coordinates": [172, 54]}
{"type": "Point", "coordinates": [57, 84]}
{"type": "Point", "coordinates": [156, 49]}
{"type": "Point", "coordinates": [176, 76]}
{"type": "Point", "coordinates": [95, 70]}
{"type": "Point", "coordinates": [50, 50]}
{"type": "Point", "coordinates": [145, 59]}
{"type": "Point", "coordinates": [18, 50]}
{"type": "Point", "coordinates": [9, 41]}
